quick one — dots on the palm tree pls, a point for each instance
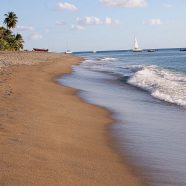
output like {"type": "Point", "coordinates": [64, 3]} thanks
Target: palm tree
{"type": "Point", "coordinates": [7, 33]}
{"type": "Point", "coordinates": [8, 40]}
{"type": "Point", "coordinates": [10, 20]}
{"type": "Point", "coordinates": [18, 42]}
{"type": "Point", "coordinates": [2, 31]}
{"type": "Point", "coordinates": [5, 38]}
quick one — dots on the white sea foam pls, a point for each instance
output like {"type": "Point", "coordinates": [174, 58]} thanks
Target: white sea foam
{"type": "Point", "coordinates": [161, 83]}
{"type": "Point", "coordinates": [101, 65]}
{"type": "Point", "coordinates": [108, 59]}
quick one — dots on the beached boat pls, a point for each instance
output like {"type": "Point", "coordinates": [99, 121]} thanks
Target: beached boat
{"type": "Point", "coordinates": [40, 50]}
{"type": "Point", "coordinates": [136, 46]}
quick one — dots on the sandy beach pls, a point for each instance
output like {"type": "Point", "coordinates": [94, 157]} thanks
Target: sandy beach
{"type": "Point", "coordinates": [49, 136]}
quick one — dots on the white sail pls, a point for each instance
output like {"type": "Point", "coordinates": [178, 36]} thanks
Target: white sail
{"type": "Point", "coordinates": [136, 46]}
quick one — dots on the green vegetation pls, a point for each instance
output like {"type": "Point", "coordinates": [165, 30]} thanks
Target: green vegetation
{"type": "Point", "coordinates": [9, 40]}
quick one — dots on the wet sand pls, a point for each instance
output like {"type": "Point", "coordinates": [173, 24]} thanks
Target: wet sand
{"type": "Point", "coordinates": [49, 136]}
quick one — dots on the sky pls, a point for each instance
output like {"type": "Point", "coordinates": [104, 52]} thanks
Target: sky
{"type": "Point", "coordinates": [81, 25]}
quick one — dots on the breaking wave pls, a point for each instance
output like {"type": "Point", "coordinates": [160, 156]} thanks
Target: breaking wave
{"type": "Point", "coordinates": [163, 84]}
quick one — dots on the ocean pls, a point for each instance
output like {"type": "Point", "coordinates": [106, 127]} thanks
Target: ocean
{"type": "Point", "coordinates": [146, 92]}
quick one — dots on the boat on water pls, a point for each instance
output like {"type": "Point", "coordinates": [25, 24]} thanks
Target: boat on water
{"type": "Point", "coordinates": [182, 49]}
{"type": "Point", "coordinates": [136, 46]}
{"type": "Point", "coordinates": [151, 50]}
{"type": "Point", "coordinates": [68, 52]}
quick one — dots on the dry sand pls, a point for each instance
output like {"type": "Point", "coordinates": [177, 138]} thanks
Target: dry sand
{"type": "Point", "coordinates": [48, 136]}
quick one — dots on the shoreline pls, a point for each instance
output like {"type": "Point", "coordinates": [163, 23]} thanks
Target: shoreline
{"type": "Point", "coordinates": [44, 137]}
{"type": "Point", "coordinates": [114, 141]}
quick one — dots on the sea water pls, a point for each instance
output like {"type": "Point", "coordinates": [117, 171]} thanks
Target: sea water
{"type": "Point", "coordinates": [146, 93]}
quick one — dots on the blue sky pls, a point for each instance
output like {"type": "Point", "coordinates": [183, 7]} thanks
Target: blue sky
{"type": "Point", "coordinates": [98, 24]}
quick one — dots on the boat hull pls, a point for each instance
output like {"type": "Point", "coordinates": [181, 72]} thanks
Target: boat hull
{"type": "Point", "coordinates": [40, 50]}
{"type": "Point", "coordinates": [137, 50]}
{"type": "Point", "coordinates": [68, 52]}
{"type": "Point", "coordinates": [151, 50]}
{"type": "Point", "coordinates": [182, 49]}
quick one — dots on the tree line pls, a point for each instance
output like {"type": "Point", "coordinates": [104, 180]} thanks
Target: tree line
{"type": "Point", "coordinates": [8, 40]}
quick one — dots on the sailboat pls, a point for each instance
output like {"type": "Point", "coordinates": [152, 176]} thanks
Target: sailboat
{"type": "Point", "coordinates": [136, 46]}
{"type": "Point", "coordinates": [68, 52]}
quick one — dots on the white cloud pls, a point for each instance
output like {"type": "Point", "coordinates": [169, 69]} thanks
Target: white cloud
{"type": "Point", "coordinates": [153, 22]}
{"type": "Point", "coordinates": [86, 21]}
{"type": "Point", "coordinates": [81, 23]}
{"type": "Point", "coordinates": [77, 27]}
{"type": "Point", "coordinates": [89, 21]}
{"type": "Point", "coordinates": [110, 21]}
{"type": "Point", "coordinates": [125, 3]}
{"type": "Point", "coordinates": [60, 23]}
{"type": "Point", "coordinates": [24, 28]}
{"type": "Point", "coordinates": [36, 36]}
{"type": "Point", "coordinates": [66, 6]}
